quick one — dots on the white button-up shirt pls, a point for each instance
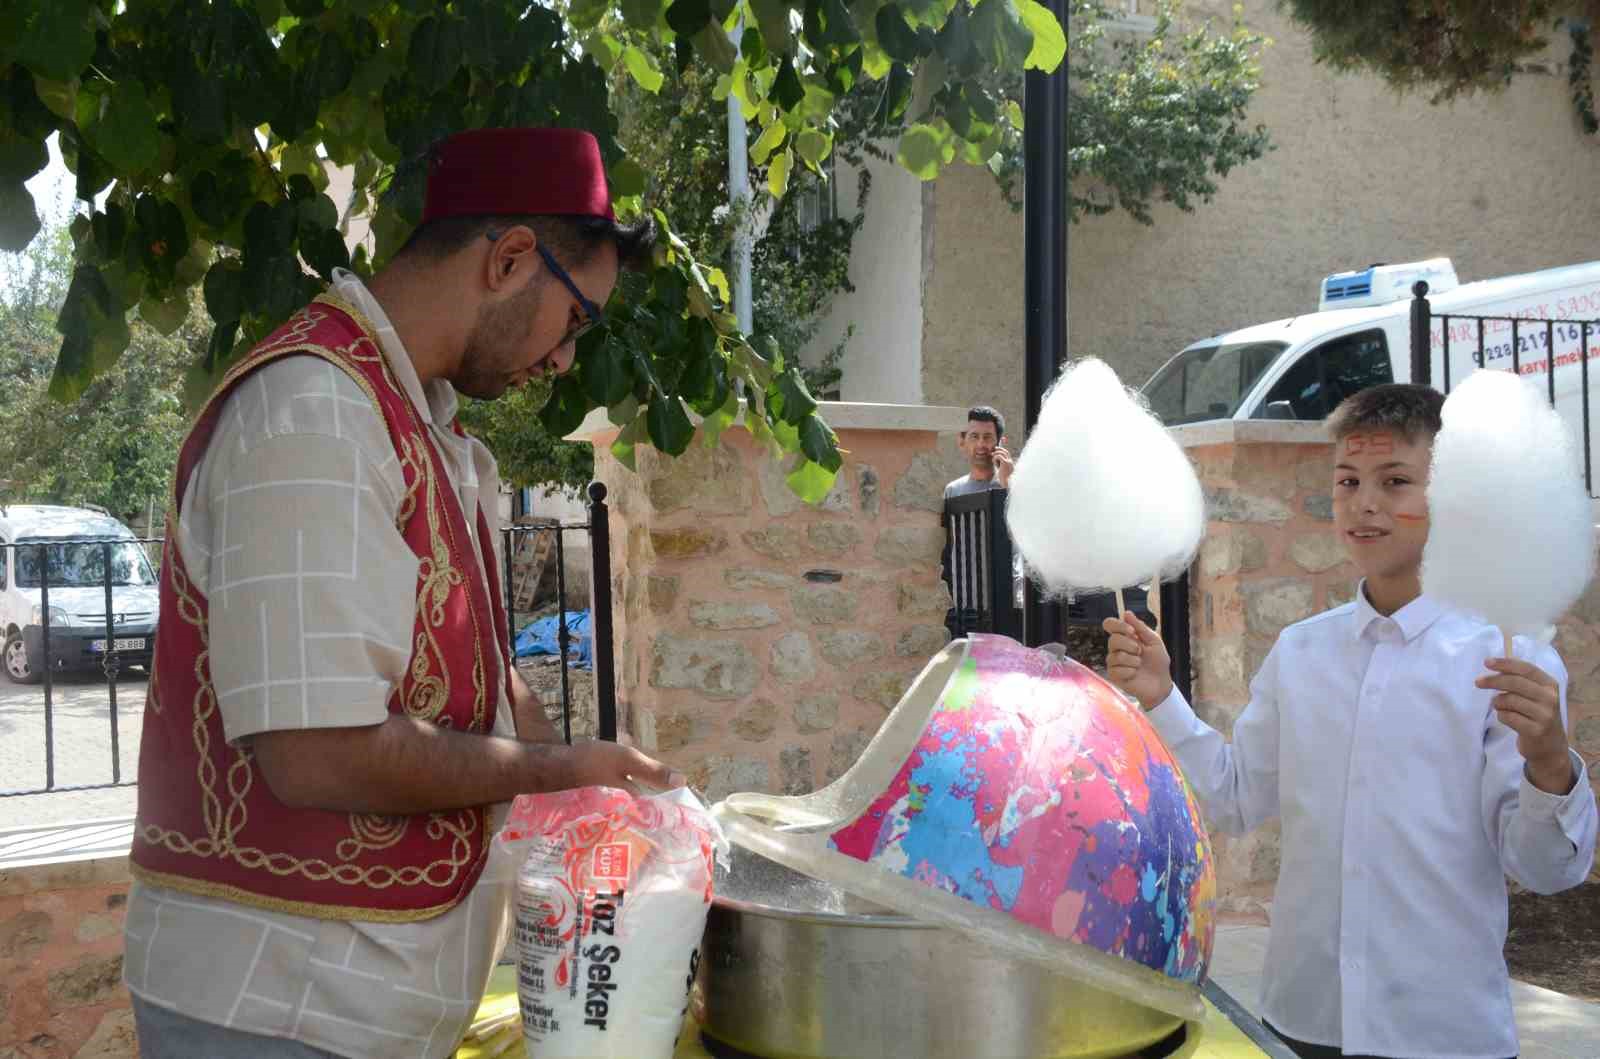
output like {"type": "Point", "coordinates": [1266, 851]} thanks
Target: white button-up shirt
{"type": "Point", "coordinates": [1404, 805]}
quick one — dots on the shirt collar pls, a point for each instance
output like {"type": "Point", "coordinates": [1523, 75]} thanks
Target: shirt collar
{"type": "Point", "coordinates": [1412, 619]}
{"type": "Point", "coordinates": [437, 400]}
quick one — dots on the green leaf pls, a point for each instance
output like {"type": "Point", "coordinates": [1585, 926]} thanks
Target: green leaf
{"type": "Point", "coordinates": [713, 45]}
{"type": "Point", "coordinates": [313, 215]}
{"type": "Point", "coordinates": [778, 174]}
{"type": "Point", "coordinates": [269, 230]}
{"type": "Point", "coordinates": [1014, 113]}
{"type": "Point", "coordinates": [712, 426]}
{"type": "Point", "coordinates": [59, 40]}
{"type": "Point", "coordinates": [897, 39]}
{"type": "Point", "coordinates": [810, 482]}
{"type": "Point", "coordinates": [224, 291]}
{"type": "Point", "coordinates": [793, 401]}
{"type": "Point", "coordinates": [813, 146]}
{"type": "Point", "coordinates": [110, 228]}
{"type": "Point", "coordinates": [627, 442]}
{"type": "Point", "coordinates": [607, 371]}
{"type": "Point", "coordinates": [819, 443]}
{"type": "Point", "coordinates": [922, 151]}
{"type": "Point", "coordinates": [165, 316]}
{"type": "Point", "coordinates": [770, 140]}
{"type": "Point", "coordinates": [19, 220]}
{"type": "Point", "coordinates": [628, 178]}
{"type": "Point", "coordinates": [670, 428]}
{"type": "Point", "coordinates": [565, 408]}
{"type": "Point", "coordinates": [60, 96]}
{"type": "Point", "coordinates": [21, 159]}
{"type": "Point", "coordinates": [126, 135]}
{"type": "Point", "coordinates": [94, 331]}
{"type": "Point", "coordinates": [643, 68]}
{"type": "Point", "coordinates": [688, 17]}
{"type": "Point", "coordinates": [773, 18]}
{"type": "Point", "coordinates": [1049, 39]}
{"type": "Point", "coordinates": [838, 28]}
{"type": "Point", "coordinates": [436, 52]}
{"type": "Point", "coordinates": [642, 15]}
{"type": "Point", "coordinates": [787, 91]}
{"type": "Point", "coordinates": [624, 411]}
{"type": "Point", "coordinates": [325, 251]}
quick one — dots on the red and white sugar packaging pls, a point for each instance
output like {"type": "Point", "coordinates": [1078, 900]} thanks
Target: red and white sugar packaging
{"type": "Point", "coordinates": [611, 902]}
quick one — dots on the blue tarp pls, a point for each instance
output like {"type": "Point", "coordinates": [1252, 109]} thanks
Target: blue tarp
{"type": "Point", "coordinates": [542, 638]}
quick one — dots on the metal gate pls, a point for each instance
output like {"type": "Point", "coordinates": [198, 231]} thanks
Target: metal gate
{"type": "Point", "coordinates": [112, 644]}
{"type": "Point", "coordinates": [1527, 346]}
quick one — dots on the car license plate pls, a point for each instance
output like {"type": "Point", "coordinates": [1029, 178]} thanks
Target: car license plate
{"type": "Point", "coordinates": [135, 643]}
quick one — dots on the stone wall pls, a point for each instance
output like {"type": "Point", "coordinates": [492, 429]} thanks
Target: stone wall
{"type": "Point", "coordinates": [1270, 558]}
{"type": "Point", "coordinates": [61, 988]}
{"type": "Point", "coordinates": [760, 642]}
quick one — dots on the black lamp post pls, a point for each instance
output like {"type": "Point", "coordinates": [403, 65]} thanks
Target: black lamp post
{"type": "Point", "coordinates": [1045, 218]}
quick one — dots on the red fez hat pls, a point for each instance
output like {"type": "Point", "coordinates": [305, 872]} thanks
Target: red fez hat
{"type": "Point", "coordinates": [517, 171]}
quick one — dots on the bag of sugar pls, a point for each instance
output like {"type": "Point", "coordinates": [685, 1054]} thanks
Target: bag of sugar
{"type": "Point", "coordinates": [611, 902]}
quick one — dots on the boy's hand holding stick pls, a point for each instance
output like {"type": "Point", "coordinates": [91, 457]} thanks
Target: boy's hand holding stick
{"type": "Point", "coordinates": [1137, 661]}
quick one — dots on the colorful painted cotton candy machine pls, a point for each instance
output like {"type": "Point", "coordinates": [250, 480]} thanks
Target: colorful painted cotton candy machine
{"type": "Point", "coordinates": [1015, 842]}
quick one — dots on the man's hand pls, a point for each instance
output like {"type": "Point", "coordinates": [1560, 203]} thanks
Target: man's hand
{"type": "Point", "coordinates": [1529, 703]}
{"type": "Point", "coordinates": [1003, 464]}
{"type": "Point", "coordinates": [1137, 661]}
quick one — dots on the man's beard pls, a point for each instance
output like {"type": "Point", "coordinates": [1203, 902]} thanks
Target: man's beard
{"type": "Point", "coordinates": [491, 359]}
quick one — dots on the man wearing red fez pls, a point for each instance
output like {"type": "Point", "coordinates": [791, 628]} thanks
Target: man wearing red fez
{"type": "Point", "coordinates": [333, 722]}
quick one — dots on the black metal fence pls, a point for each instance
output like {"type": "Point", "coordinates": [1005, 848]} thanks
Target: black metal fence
{"type": "Point", "coordinates": [51, 639]}
{"type": "Point", "coordinates": [1524, 345]}
{"type": "Point", "coordinates": [985, 583]}
{"type": "Point", "coordinates": [115, 636]}
{"type": "Point", "coordinates": [598, 529]}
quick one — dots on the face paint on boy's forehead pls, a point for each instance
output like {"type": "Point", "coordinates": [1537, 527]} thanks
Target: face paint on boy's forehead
{"type": "Point", "coordinates": [1378, 443]}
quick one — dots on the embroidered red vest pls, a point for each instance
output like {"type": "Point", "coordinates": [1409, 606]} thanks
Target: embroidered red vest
{"type": "Point", "coordinates": [207, 822]}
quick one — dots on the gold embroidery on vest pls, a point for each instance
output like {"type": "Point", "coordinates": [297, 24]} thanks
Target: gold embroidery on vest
{"type": "Point", "coordinates": [370, 831]}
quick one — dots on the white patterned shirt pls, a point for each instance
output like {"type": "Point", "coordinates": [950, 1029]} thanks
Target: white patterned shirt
{"type": "Point", "coordinates": [1404, 805]}
{"type": "Point", "coordinates": [288, 527]}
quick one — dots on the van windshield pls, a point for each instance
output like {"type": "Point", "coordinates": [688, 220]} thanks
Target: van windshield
{"type": "Point", "coordinates": [1208, 382]}
{"type": "Point", "coordinates": [82, 564]}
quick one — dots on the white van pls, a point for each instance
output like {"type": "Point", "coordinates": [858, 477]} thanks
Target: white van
{"type": "Point", "coordinates": [73, 543]}
{"type": "Point", "coordinates": [1302, 367]}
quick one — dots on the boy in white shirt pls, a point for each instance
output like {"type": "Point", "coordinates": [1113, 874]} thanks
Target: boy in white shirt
{"type": "Point", "coordinates": [1412, 767]}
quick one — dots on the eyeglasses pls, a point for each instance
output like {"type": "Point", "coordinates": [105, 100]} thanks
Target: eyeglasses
{"type": "Point", "coordinates": [593, 315]}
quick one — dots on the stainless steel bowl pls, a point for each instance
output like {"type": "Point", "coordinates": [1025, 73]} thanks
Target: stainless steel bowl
{"type": "Point", "coordinates": [792, 968]}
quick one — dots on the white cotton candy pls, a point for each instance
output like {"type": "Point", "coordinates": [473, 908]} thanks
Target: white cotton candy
{"type": "Point", "coordinates": [1102, 496]}
{"type": "Point", "coordinates": [1510, 537]}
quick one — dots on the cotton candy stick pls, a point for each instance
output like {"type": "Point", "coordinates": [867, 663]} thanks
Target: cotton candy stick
{"type": "Point", "coordinates": [1102, 496]}
{"type": "Point", "coordinates": [1511, 533]}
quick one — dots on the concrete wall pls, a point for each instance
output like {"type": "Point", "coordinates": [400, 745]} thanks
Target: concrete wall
{"type": "Point", "coordinates": [882, 361]}
{"type": "Point", "coordinates": [1501, 184]}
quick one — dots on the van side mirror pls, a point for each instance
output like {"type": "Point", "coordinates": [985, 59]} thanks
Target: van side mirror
{"type": "Point", "coordinates": [1279, 410]}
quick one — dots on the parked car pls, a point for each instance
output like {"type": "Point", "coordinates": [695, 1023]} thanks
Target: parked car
{"type": "Point", "coordinates": [70, 545]}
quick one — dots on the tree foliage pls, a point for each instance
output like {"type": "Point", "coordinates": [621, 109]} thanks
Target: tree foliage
{"type": "Point", "coordinates": [203, 130]}
{"type": "Point", "coordinates": [115, 447]}
{"type": "Point", "coordinates": [1449, 47]}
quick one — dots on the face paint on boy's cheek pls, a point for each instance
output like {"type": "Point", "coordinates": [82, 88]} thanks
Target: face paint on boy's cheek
{"type": "Point", "coordinates": [1410, 518]}
{"type": "Point", "coordinates": [1378, 444]}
